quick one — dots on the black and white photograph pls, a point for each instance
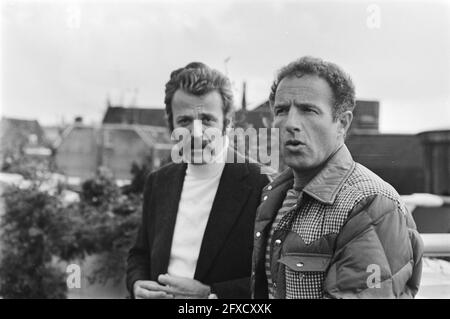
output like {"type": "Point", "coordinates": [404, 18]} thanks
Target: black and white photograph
{"type": "Point", "coordinates": [230, 151]}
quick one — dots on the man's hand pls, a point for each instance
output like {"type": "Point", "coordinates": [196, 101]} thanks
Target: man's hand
{"type": "Point", "coordinates": [182, 287]}
{"type": "Point", "coordinates": [146, 289]}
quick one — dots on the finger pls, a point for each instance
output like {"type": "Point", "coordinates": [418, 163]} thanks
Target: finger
{"type": "Point", "coordinates": [147, 294]}
{"type": "Point", "coordinates": [154, 286]}
{"type": "Point", "coordinates": [156, 295]}
{"type": "Point", "coordinates": [172, 290]}
{"type": "Point", "coordinates": [169, 280]}
{"type": "Point", "coordinates": [177, 285]}
{"type": "Point", "coordinates": [150, 285]}
{"type": "Point", "coordinates": [184, 296]}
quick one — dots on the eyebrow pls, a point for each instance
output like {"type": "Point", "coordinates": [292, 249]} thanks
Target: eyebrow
{"type": "Point", "coordinates": [209, 115]}
{"type": "Point", "coordinates": [282, 104]}
{"type": "Point", "coordinates": [287, 104]}
{"type": "Point", "coordinates": [201, 115]}
{"type": "Point", "coordinates": [184, 117]}
{"type": "Point", "coordinates": [310, 105]}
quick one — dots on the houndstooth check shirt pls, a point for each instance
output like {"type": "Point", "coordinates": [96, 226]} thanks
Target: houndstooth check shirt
{"type": "Point", "coordinates": [312, 218]}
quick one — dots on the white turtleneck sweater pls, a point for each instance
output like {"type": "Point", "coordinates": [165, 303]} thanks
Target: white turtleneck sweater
{"type": "Point", "coordinates": [199, 190]}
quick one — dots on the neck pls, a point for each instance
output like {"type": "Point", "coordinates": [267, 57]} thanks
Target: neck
{"type": "Point", "coordinates": [302, 178]}
{"type": "Point", "coordinates": [209, 170]}
{"type": "Point", "coordinates": [204, 171]}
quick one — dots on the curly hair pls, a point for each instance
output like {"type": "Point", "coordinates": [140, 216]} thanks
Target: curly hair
{"type": "Point", "coordinates": [339, 81]}
{"type": "Point", "coordinates": [197, 78]}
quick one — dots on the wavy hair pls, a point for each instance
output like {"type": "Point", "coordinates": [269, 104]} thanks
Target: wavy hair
{"type": "Point", "coordinates": [198, 79]}
{"type": "Point", "coordinates": [339, 81]}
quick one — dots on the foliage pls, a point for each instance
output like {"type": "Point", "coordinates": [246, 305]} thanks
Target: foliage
{"type": "Point", "coordinates": [111, 218]}
{"type": "Point", "coordinates": [35, 229]}
{"type": "Point", "coordinates": [31, 168]}
{"type": "Point", "coordinates": [39, 227]}
{"type": "Point", "coordinates": [100, 190]}
{"type": "Point", "coordinates": [139, 174]}
{"type": "Point", "coordinates": [113, 229]}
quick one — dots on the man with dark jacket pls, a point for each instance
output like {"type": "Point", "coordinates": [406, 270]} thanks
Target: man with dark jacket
{"type": "Point", "coordinates": [328, 227]}
{"type": "Point", "coordinates": [195, 240]}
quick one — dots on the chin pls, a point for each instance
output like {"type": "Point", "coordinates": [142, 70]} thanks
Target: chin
{"type": "Point", "coordinates": [203, 158]}
{"type": "Point", "coordinates": [198, 164]}
{"type": "Point", "coordinates": [196, 159]}
{"type": "Point", "coordinates": [298, 167]}
{"type": "Point", "coordinates": [297, 164]}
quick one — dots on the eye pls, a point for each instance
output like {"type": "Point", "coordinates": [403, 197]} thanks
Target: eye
{"type": "Point", "coordinates": [280, 110]}
{"type": "Point", "coordinates": [208, 120]}
{"type": "Point", "coordinates": [184, 121]}
{"type": "Point", "coordinates": [310, 110]}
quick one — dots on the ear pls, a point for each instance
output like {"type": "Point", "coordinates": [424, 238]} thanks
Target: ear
{"type": "Point", "coordinates": [345, 119]}
{"type": "Point", "coordinates": [227, 122]}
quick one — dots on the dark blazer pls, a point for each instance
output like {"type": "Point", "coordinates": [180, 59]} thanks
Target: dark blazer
{"type": "Point", "coordinates": [224, 261]}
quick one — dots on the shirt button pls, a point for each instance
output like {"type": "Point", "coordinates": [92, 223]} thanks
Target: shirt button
{"type": "Point", "coordinates": [258, 234]}
{"type": "Point", "coordinates": [265, 197]}
{"type": "Point", "coordinates": [278, 242]}
{"type": "Point", "coordinates": [269, 187]}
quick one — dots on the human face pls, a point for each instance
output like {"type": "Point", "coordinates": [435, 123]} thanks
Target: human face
{"type": "Point", "coordinates": [200, 115]}
{"type": "Point", "coordinates": [303, 110]}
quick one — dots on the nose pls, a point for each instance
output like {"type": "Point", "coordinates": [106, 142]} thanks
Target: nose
{"type": "Point", "coordinates": [197, 129]}
{"type": "Point", "coordinates": [198, 137]}
{"type": "Point", "coordinates": [293, 121]}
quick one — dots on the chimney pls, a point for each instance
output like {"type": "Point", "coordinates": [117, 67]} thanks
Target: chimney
{"type": "Point", "coordinates": [244, 99]}
{"type": "Point", "coordinates": [79, 119]}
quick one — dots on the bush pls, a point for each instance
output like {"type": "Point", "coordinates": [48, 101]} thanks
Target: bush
{"type": "Point", "coordinates": [35, 229]}
{"type": "Point", "coordinates": [39, 227]}
{"type": "Point", "coordinates": [112, 229]}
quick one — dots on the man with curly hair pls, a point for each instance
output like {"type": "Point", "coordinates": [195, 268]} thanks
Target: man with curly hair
{"type": "Point", "coordinates": [328, 227]}
{"type": "Point", "coordinates": [195, 240]}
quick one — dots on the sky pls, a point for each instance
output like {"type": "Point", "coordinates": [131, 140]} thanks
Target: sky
{"type": "Point", "coordinates": [61, 59]}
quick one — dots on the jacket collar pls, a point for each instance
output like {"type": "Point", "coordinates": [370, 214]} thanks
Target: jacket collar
{"type": "Point", "coordinates": [325, 186]}
{"type": "Point", "coordinates": [327, 183]}
{"type": "Point", "coordinates": [285, 176]}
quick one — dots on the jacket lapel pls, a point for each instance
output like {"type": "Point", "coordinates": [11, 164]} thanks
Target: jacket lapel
{"type": "Point", "coordinates": [231, 196]}
{"type": "Point", "coordinates": [167, 200]}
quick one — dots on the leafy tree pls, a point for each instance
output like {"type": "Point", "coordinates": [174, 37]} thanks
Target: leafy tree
{"type": "Point", "coordinates": [139, 174]}
{"type": "Point", "coordinates": [112, 218]}
{"type": "Point", "coordinates": [39, 228]}
{"type": "Point", "coordinates": [35, 229]}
